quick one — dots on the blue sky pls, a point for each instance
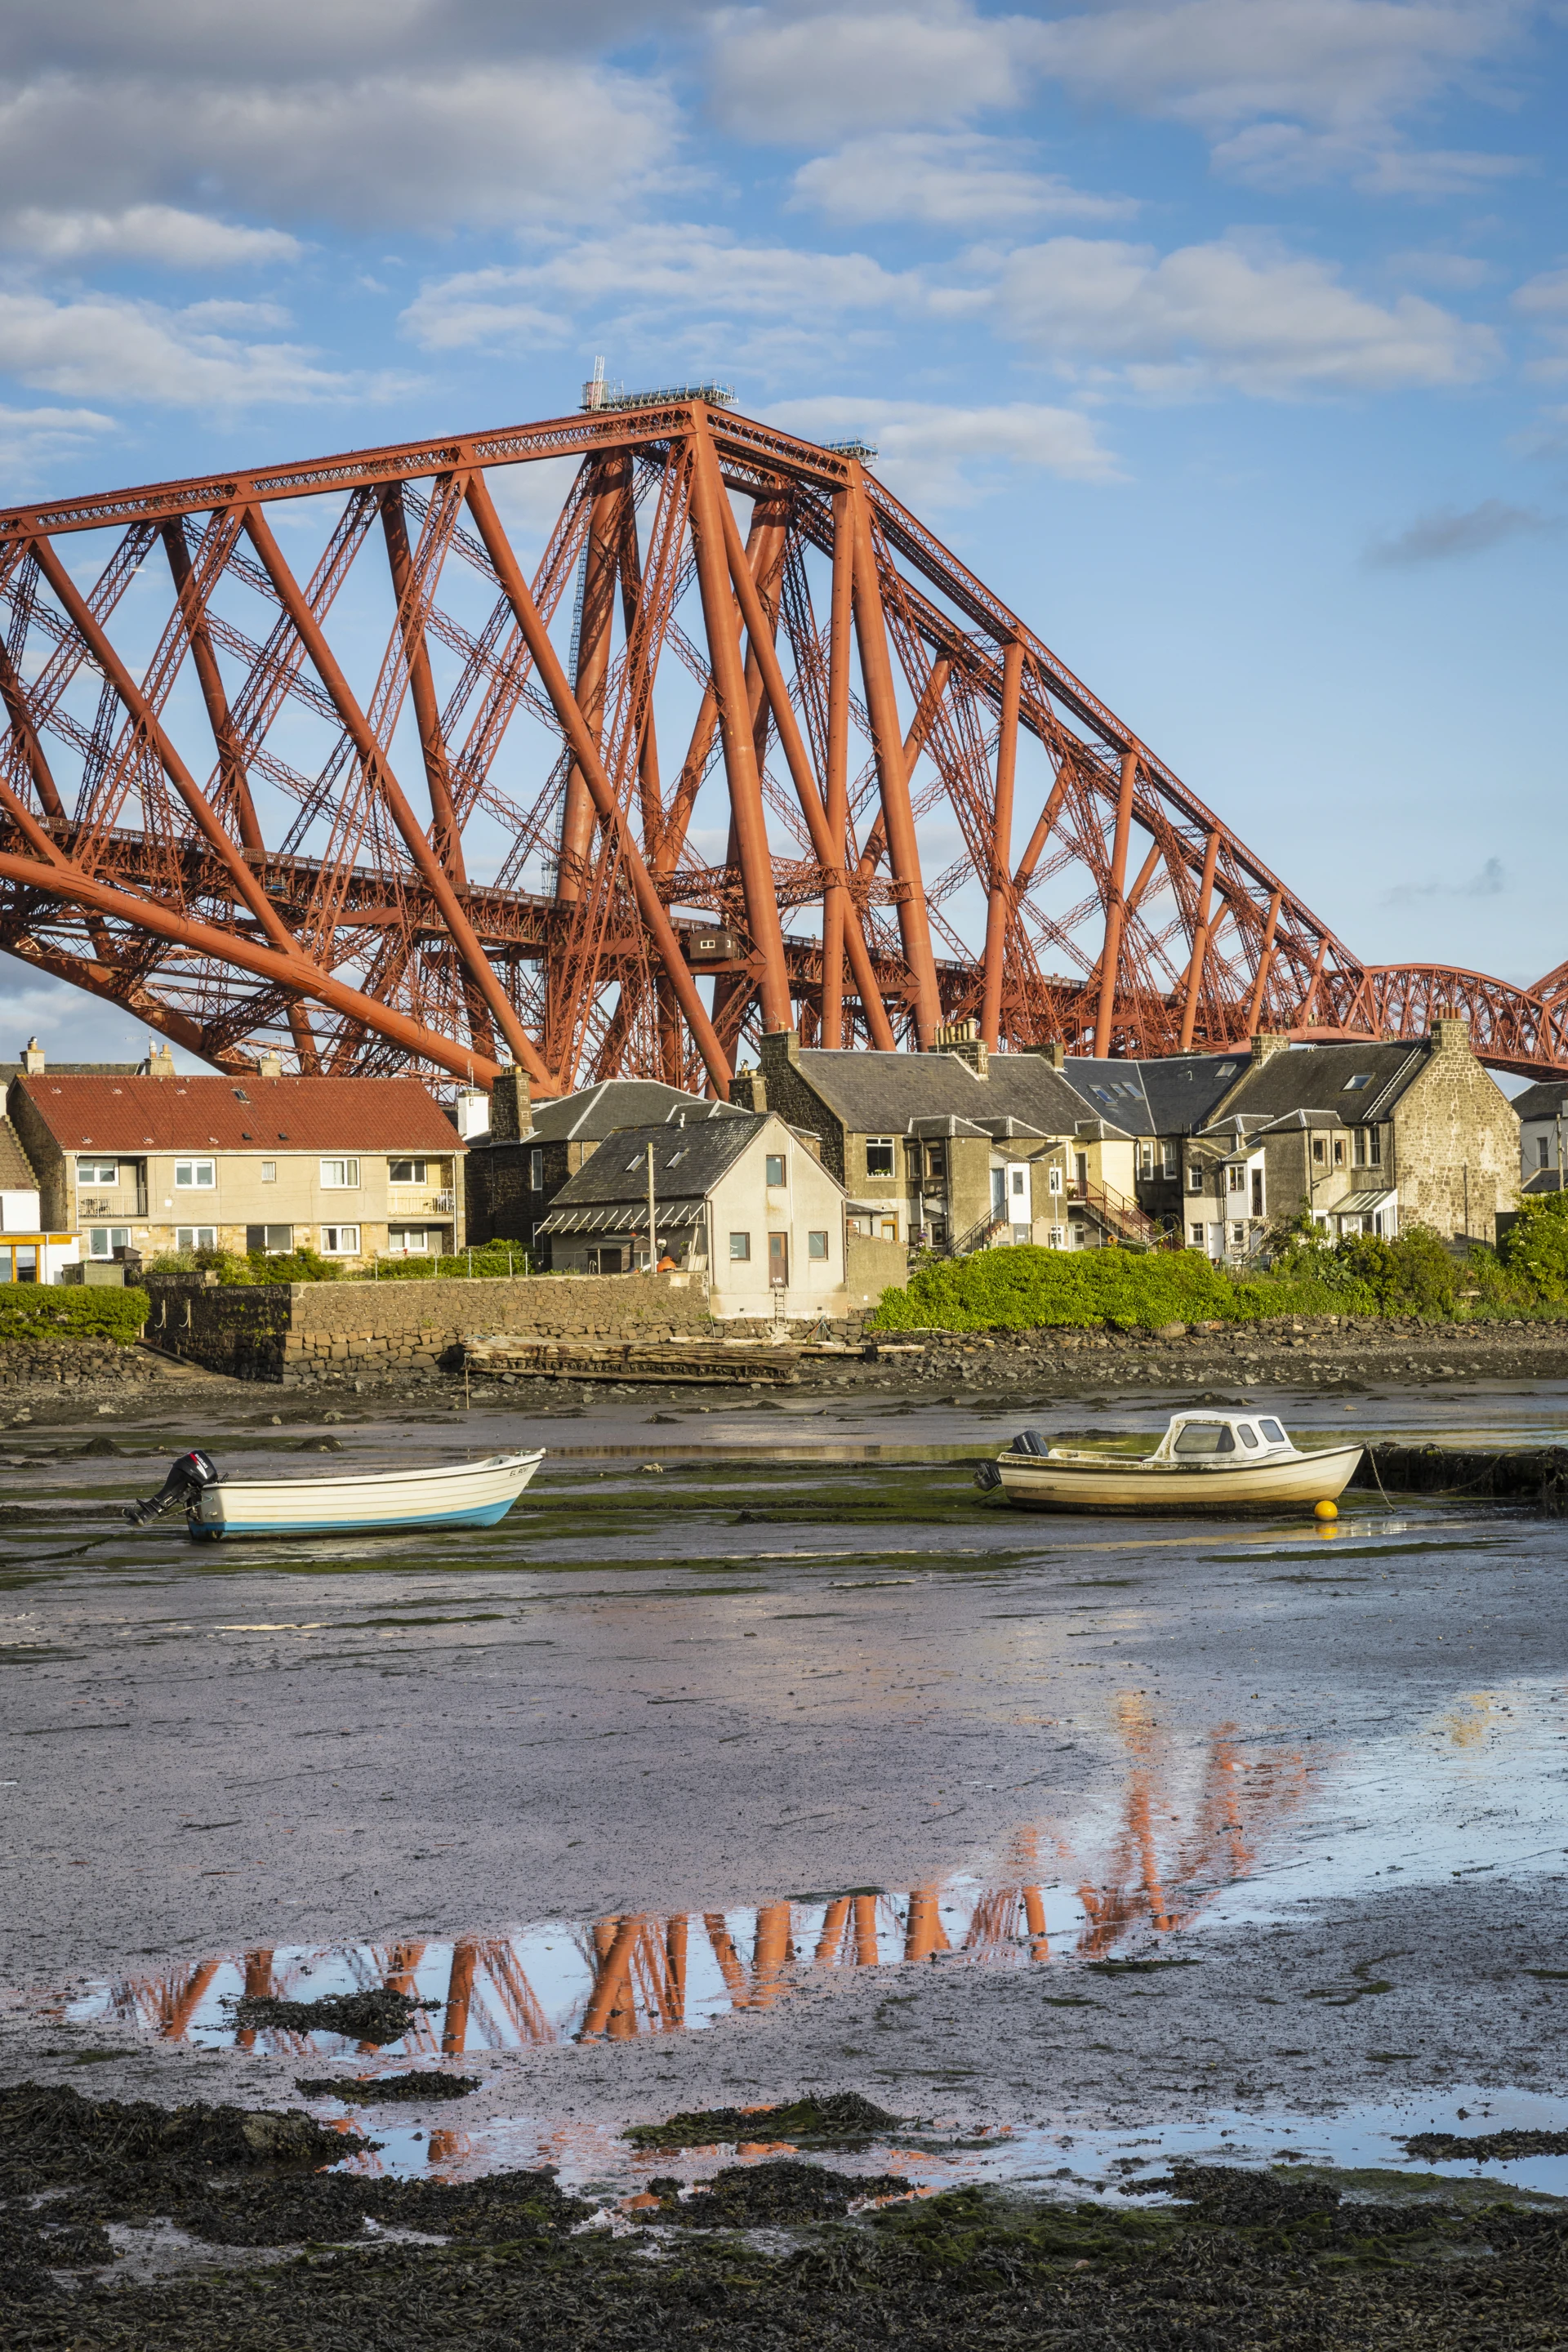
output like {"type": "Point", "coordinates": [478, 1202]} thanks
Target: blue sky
{"type": "Point", "coordinates": [1227, 338]}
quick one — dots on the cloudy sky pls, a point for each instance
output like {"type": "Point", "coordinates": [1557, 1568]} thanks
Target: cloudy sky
{"type": "Point", "coordinates": [1227, 338]}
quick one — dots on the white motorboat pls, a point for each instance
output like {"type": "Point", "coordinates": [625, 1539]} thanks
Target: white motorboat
{"type": "Point", "coordinates": [1205, 1462]}
{"type": "Point", "coordinates": [456, 1494]}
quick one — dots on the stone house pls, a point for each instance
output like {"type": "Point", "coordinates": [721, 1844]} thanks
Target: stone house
{"type": "Point", "coordinates": [741, 1201]}
{"type": "Point", "coordinates": [1159, 1102]}
{"type": "Point", "coordinates": [1366, 1138]}
{"type": "Point", "coordinates": [957, 1149]}
{"type": "Point", "coordinates": [151, 1163]}
{"type": "Point", "coordinates": [1541, 1111]}
{"type": "Point", "coordinates": [513, 1171]}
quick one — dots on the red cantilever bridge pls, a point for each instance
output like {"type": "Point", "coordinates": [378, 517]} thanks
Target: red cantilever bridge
{"type": "Point", "coordinates": [310, 760]}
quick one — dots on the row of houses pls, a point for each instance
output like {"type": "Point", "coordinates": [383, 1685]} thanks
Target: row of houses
{"type": "Point", "coordinates": [806, 1193]}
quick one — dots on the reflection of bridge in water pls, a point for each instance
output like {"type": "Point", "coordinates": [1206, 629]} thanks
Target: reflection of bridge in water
{"type": "Point", "coordinates": [640, 1973]}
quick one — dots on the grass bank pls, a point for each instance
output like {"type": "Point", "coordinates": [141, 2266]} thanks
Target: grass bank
{"type": "Point", "coordinates": [31, 1313]}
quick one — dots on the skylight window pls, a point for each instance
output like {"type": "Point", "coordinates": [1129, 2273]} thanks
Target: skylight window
{"type": "Point", "coordinates": [1226, 1070]}
{"type": "Point", "coordinates": [1101, 1094]}
{"type": "Point", "coordinates": [1354, 1086]}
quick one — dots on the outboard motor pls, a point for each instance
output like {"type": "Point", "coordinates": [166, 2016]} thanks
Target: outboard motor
{"type": "Point", "coordinates": [183, 1484]}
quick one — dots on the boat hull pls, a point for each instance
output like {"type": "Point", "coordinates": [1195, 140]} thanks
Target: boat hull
{"type": "Point", "coordinates": [470, 1495]}
{"type": "Point", "coordinates": [1037, 1483]}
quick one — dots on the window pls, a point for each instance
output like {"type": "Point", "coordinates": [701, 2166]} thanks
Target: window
{"type": "Point", "coordinates": [1273, 1433]}
{"type": "Point", "coordinates": [1374, 1145]}
{"type": "Point", "coordinates": [775, 1168]}
{"type": "Point", "coordinates": [104, 1240]}
{"type": "Point", "coordinates": [1319, 1151]}
{"type": "Point", "coordinates": [413, 1240]}
{"type": "Point", "coordinates": [936, 1162]}
{"type": "Point", "coordinates": [536, 1169]}
{"type": "Point", "coordinates": [887, 1228]}
{"type": "Point", "coordinates": [1195, 1236]}
{"type": "Point", "coordinates": [272, 1241]}
{"type": "Point", "coordinates": [341, 1176]}
{"type": "Point", "coordinates": [879, 1155]}
{"type": "Point", "coordinates": [406, 1171]}
{"type": "Point", "coordinates": [1226, 1070]}
{"type": "Point", "coordinates": [1205, 1437]}
{"type": "Point", "coordinates": [740, 1245]}
{"type": "Point", "coordinates": [1101, 1094]}
{"type": "Point", "coordinates": [1544, 1149]}
{"type": "Point", "coordinates": [195, 1237]}
{"type": "Point", "coordinates": [1339, 1151]}
{"type": "Point", "coordinates": [1358, 1148]}
{"type": "Point", "coordinates": [107, 1171]}
{"type": "Point", "coordinates": [1054, 1180]}
{"type": "Point", "coordinates": [340, 1241]}
{"type": "Point", "coordinates": [1020, 1184]}
{"type": "Point", "coordinates": [1168, 1159]}
{"type": "Point", "coordinates": [269, 1172]}
{"type": "Point", "coordinates": [1145, 1160]}
{"type": "Point", "coordinates": [1059, 1237]}
{"type": "Point", "coordinates": [1238, 1236]}
{"type": "Point", "coordinates": [194, 1175]}
{"type": "Point", "coordinates": [1354, 1086]}
{"type": "Point", "coordinates": [1235, 1179]}
{"type": "Point", "coordinates": [1194, 1178]}
{"type": "Point", "coordinates": [1248, 1436]}
{"type": "Point", "coordinates": [817, 1247]}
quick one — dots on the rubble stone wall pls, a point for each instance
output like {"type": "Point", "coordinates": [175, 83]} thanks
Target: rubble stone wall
{"type": "Point", "coordinates": [306, 1330]}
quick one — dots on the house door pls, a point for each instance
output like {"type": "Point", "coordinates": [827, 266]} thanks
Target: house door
{"type": "Point", "coordinates": [1080, 1173]}
{"type": "Point", "coordinates": [778, 1261]}
{"type": "Point", "coordinates": [1216, 1240]}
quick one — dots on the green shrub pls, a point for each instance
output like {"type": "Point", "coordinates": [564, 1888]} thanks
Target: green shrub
{"type": "Point", "coordinates": [33, 1311]}
{"type": "Point", "coordinates": [1535, 1247]}
{"type": "Point", "coordinates": [1026, 1289]}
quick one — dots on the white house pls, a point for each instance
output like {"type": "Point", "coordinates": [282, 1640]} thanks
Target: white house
{"type": "Point", "coordinates": [739, 1197]}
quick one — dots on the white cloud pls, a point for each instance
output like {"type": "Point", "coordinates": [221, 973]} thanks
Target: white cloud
{"type": "Point", "coordinates": [1459, 272]}
{"type": "Point", "coordinates": [30, 437]}
{"type": "Point", "coordinates": [1280, 156]}
{"type": "Point", "coordinates": [838, 74]}
{"type": "Point", "coordinates": [466, 142]}
{"type": "Point", "coordinates": [1212, 315]}
{"type": "Point", "coordinates": [1219, 64]}
{"type": "Point", "coordinates": [938, 455]}
{"type": "Point", "coordinates": [953, 180]}
{"type": "Point", "coordinates": [649, 273]}
{"type": "Point", "coordinates": [1543, 300]}
{"type": "Point", "coordinates": [101, 347]}
{"type": "Point", "coordinates": [160, 233]}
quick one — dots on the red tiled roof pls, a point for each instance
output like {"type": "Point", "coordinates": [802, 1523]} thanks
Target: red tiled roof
{"type": "Point", "coordinates": [203, 1113]}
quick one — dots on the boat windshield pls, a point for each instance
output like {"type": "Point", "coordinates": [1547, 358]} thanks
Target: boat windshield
{"type": "Point", "coordinates": [1205, 1437]}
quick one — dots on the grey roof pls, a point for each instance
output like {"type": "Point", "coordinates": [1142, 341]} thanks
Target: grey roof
{"type": "Point", "coordinates": [17, 1173]}
{"type": "Point", "coordinates": [1542, 1100]}
{"type": "Point", "coordinates": [1545, 1179]}
{"type": "Point", "coordinates": [688, 1162]}
{"type": "Point", "coordinates": [1168, 1095]}
{"type": "Point", "coordinates": [593, 1112]}
{"type": "Point", "coordinates": [1319, 1078]}
{"type": "Point", "coordinates": [897, 1093]}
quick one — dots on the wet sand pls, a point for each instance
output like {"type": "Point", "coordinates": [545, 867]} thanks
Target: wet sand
{"type": "Point", "coordinates": [871, 1777]}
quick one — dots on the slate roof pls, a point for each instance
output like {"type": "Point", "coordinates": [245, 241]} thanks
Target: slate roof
{"type": "Point", "coordinates": [1316, 1077]}
{"type": "Point", "coordinates": [891, 1094]}
{"type": "Point", "coordinates": [1169, 1094]}
{"type": "Point", "coordinates": [1543, 1099]}
{"type": "Point", "coordinates": [593, 1112]}
{"type": "Point", "coordinates": [688, 1162]}
{"type": "Point", "coordinates": [133, 1114]}
{"type": "Point", "coordinates": [17, 1173]}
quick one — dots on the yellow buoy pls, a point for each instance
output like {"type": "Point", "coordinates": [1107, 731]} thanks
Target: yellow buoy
{"type": "Point", "coordinates": [1325, 1510]}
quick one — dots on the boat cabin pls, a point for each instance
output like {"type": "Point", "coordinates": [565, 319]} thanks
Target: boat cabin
{"type": "Point", "coordinates": [1199, 1436]}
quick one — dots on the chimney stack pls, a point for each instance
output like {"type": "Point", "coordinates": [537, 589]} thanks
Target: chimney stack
{"type": "Point", "coordinates": [1266, 1044]}
{"type": "Point", "coordinates": [511, 1107]}
{"type": "Point", "coordinates": [271, 1065]}
{"type": "Point", "coordinates": [33, 1058]}
{"type": "Point", "coordinates": [160, 1062]}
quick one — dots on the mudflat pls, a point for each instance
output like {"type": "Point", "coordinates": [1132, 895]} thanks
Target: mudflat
{"type": "Point", "coordinates": [1084, 1851]}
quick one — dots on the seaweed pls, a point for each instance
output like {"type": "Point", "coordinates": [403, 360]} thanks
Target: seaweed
{"type": "Point", "coordinates": [836, 2120]}
{"type": "Point", "coordinates": [379, 2016]}
{"type": "Point", "coordinates": [371, 2090]}
{"type": "Point", "coordinates": [1485, 2147]}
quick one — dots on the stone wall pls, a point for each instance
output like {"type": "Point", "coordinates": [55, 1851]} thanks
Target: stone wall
{"type": "Point", "coordinates": [871, 1266]}
{"type": "Point", "coordinates": [1456, 1142]}
{"type": "Point", "coordinates": [303, 1330]}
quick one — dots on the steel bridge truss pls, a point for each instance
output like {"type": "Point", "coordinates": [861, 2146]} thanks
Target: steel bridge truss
{"type": "Point", "coordinates": [285, 750]}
